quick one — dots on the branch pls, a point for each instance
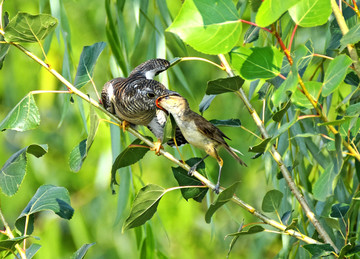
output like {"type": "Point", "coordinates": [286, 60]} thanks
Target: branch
{"type": "Point", "coordinates": [204, 180]}
{"type": "Point", "coordinates": [279, 161]}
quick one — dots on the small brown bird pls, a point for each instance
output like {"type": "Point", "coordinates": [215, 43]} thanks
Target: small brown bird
{"type": "Point", "coordinates": [133, 99]}
{"type": "Point", "coordinates": [197, 130]}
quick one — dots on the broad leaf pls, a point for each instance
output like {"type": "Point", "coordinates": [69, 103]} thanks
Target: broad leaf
{"type": "Point", "coordinates": [80, 152]}
{"type": "Point", "coordinates": [87, 61]}
{"type": "Point", "coordinates": [145, 205]}
{"type": "Point", "coordinates": [224, 85]}
{"type": "Point", "coordinates": [184, 179]}
{"type": "Point", "coordinates": [228, 123]}
{"type": "Point", "coordinates": [47, 197]}
{"type": "Point", "coordinates": [9, 244]}
{"type": "Point", "coordinates": [353, 110]}
{"type": "Point", "coordinates": [261, 147]}
{"type": "Point", "coordinates": [300, 99]}
{"type": "Point", "coordinates": [323, 186]}
{"type": "Point", "coordinates": [24, 116]}
{"type": "Point", "coordinates": [252, 230]}
{"type": "Point", "coordinates": [32, 250]}
{"type": "Point", "coordinates": [272, 201]}
{"type": "Point", "coordinates": [255, 63]}
{"type": "Point", "coordinates": [335, 74]}
{"type": "Point", "coordinates": [318, 250]}
{"type": "Point", "coordinates": [133, 153]}
{"type": "Point", "coordinates": [351, 37]}
{"type": "Point", "coordinates": [79, 254]}
{"type": "Point", "coordinates": [209, 26]}
{"type": "Point", "coordinates": [339, 210]}
{"type": "Point", "coordinates": [271, 10]}
{"type": "Point", "coordinates": [289, 85]}
{"type": "Point", "coordinates": [223, 198]}
{"type": "Point", "coordinates": [310, 13]}
{"type": "Point", "coordinates": [13, 171]}
{"type": "Point", "coordinates": [25, 27]}
{"type": "Point", "coordinates": [279, 115]}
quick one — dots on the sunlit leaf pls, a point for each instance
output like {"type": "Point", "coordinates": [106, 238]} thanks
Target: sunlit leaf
{"type": "Point", "coordinates": [335, 74]}
{"type": "Point", "coordinates": [223, 198]}
{"type": "Point", "coordinates": [271, 10]}
{"type": "Point", "coordinates": [13, 171]}
{"type": "Point", "coordinates": [79, 254]}
{"type": "Point", "coordinates": [144, 206]}
{"type": "Point", "coordinates": [25, 27]}
{"type": "Point", "coordinates": [300, 99]}
{"type": "Point", "coordinates": [272, 201]}
{"type": "Point", "coordinates": [353, 110]}
{"type": "Point", "coordinates": [224, 85]}
{"type": "Point", "coordinates": [254, 63]}
{"type": "Point", "coordinates": [24, 116]}
{"type": "Point", "coordinates": [184, 179]}
{"type": "Point", "coordinates": [351, 37]}
{"type": "Point", "coordinates": [47, 197]}
{"type": "Point", "coordinates": [289, 85]}
{"type": "Point", "coordinates": [209, 26]}
{"type": "Point", "coordinates": [310, 13]}
{"type": "Point", "coordinates": [87, 62]}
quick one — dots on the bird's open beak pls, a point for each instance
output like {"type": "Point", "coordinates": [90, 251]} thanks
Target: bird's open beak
{"type": "Point", "coordinates": [165, 96]}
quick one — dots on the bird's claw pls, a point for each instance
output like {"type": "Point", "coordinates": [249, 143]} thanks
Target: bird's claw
{"type": "Point", "coordinates": [157, 146]}
{"type": "Point", "coordinates": [192, 170]}
{"type": "Point", "coordinates": [217, 188]}
{"type": "Point", "coordinates": [125, 125]}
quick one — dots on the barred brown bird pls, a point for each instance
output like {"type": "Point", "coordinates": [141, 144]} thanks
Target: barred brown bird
{"type": "Point", "coordinates": [197, 131]}
{"type": "Point", "coordinates": [133, 99]}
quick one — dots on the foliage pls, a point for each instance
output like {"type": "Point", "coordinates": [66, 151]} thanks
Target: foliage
{"type": "Point", "coordinates": [291, 69]}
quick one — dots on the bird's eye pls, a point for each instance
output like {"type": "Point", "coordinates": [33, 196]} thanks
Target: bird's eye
{"type": "Point", "coordinates": [150, 95]}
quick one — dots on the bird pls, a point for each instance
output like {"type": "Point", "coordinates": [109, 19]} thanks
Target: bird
{"type": "Point", "coordinates": [198, 131]}
{"type": "Point", "coordinates": [132, 99]}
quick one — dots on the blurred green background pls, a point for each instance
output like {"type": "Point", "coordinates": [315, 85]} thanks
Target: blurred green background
{"type": "Point", "coordinates": [178, 229]}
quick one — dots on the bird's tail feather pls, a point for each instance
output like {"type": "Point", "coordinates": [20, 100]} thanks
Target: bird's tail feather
{"type": "Point", "coordinates": [234, 155]}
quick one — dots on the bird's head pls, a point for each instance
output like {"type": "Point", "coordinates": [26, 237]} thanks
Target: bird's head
{"type": "Point", "coordinates": [173, 103]}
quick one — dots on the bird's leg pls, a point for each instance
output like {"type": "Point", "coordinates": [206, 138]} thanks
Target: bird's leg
{"type": "Point", "coordinates": [217, 186]}
{"type": "Point", "coordinates": [125, 125]}
{"type": "Point", "coordinates": [157, 146]}
{"type": "Point", "coordinates": [193, 168]}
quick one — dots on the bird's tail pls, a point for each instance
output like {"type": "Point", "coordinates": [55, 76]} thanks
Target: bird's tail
{"type": "Point", "coordinates": [234, 155]}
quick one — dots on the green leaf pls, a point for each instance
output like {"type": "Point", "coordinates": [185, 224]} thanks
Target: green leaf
{"type": "Point", "coordinates": [209, 26]}
{"type": "Point", "coordinates": [351, 37]}
{"type": "Point", "coordinates": [255, 4]}
{"type": "Point", "coordinates": [32, 250]}
{"type": "Point", "coordinates": [271, 10]}
{"type": "Point", "coordinates": [255, 63]}
{"type": "Point", "coordinates": [224, 85]}
{"type": "Point", "coordinates": [25, 27]}
{"type": "Point", "coordinates": [47, 197]}
{"type": "Point", "coordinates": [335, 74]}
{"type": "Point", "coordinates": [311, 13]}
{"type": "Point", "coordinates": [289, 85]}
{"type": "Point", "coordinates": [184, 179]}
{"type": "Point", "coordinates": [205, 102]}
{"type": "Point", "coordinates": [272, 201]}
{"type": "Point", "coordinates": [87, 62]}
{"type": "Point", "coordinates": [261, 147]}
{"type": "Point", "coordinates": [292, 225]}
{"type": "Point", "coordinates": [13, 171]}
{"type": "Point", "coordinates": [80, 152]}
{"type": "Point", "coordinates": [223, 198]}
{"type": "Point", "coordinates": [279, 115]}
{"type": "Point", "coordinates": [318, 250]}
{"type": "Point", "coordinates": [323, 186]}
{"type": "Point", "coordinates": [9, 244]}
{"type": "Point", "coordinates": [4, 48]}
{"type": "Point", "coordinates": [301, 100]}
{"type": "Point", "coordinates": [145, 205]}
{"type": "Point", "coordinates": [133, 153]}
{"type": "Point", "coordinates": [79, 254]}
{"type": "Point", "coordinates": [24, 116]}
{"type": "Point", "coordinates": [228, 123]}
{"type": "Point", "coordinates": [339, 210]}
{"type": "Point", "coordinates": [353, 110]}
{"type": "Point", "coordinates": [252, 230]}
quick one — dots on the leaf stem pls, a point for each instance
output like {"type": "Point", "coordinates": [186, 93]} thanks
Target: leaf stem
{"type": "Point", "coordinates": [11, 236]}
{"type": "Point", "coordinates": [277, 157]}
{"type": "Point", "coordinates": [201, 59]}
{"type": "Point", "coordinates": [254, 24]}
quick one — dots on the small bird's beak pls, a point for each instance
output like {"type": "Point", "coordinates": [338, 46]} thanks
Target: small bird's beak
{"type": "Point", "coordinates": [172, 93]}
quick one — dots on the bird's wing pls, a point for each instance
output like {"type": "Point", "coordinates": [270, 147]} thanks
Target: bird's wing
{"type": "Point", "coordinates": [149, 69]}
